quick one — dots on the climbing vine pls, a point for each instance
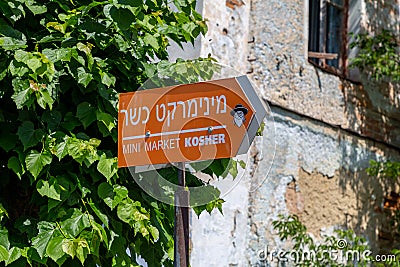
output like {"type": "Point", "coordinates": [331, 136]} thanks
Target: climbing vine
{"type": "Point", "coordinates": [379, 55]}
{"type": "Point", "coordinates": [62, 64]}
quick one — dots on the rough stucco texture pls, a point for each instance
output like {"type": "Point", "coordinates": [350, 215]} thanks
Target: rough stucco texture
{"type": "Point", "coordinates": [320, 124]}
{"type": "Point", "coordinates": [282, 72]}
{"type": "Point", "coordinates": [281, 69]}
{"type": "Point", "coordinates": [333, 191]}
{"type": "Point", "coordinates": [226, 40]}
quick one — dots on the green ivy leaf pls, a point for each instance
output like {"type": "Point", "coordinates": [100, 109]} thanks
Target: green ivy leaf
{"type": "Point", "coordinates": [14, 254]}
{"type": "Point", "coordinates": [242, 164]}
{"type": "Point", "coordinates": [52, 118]}
{"type": "Point", "coordinates": [151, 40]}
{"type": "Point", "coordinates": [154, 233]}
{"type": "Point", "coordinates": [122, 17]}
{"type": "Point", "coordinates": [233, 170]}
{"type": "Point", "coordinates": [9, 43]}
{"type": "Point", "coordinates": [103, 218]}
{"type": "Point", "coordinates": [44, 98]}
{"type": "Point", "coordinates": [107, 79]}
{"type": "Point", "coordinates": [50, 189]}
{"type": "Point", "coordinates": [47, 231]}
{"type": "Point", "coordinates": [28, 135]}
{"type": "Point", "coordinates": [84, 78]}
{"type": "Point", "coordinates": [8, 140]}
{"type": "Point", "coordinates": [112, 195]}
{"type": "Point", "coordinates": [107, 167]}
{"type": "Point", "coordinates": [131, 212]}
{"type": "Point", "coordinates": [61, 149]}
{"type": "Point", "coordinates": [83, 150]}
{"type": "Point", "coordinates": [3, 253]}
{"type": "Point", "coordinates": [15, 165]}
{"type": "Point", "coordinates": [4, 238]}
{"type": "Point", "coordinates": [22, 98]}
{"type": "Point", "coordinates": [54, 248]}
{"type": "Point", "coordinates": [106, 119]}
{"type": "Point", "coordinates": [21, 56]}
{"type": "Point", "coordinates": [69, 247]}
{"type": "Point", "coordinates": [106, 192]}
{"type": "Point", "coordinates": [230, 166]}
{"type": "Point", "coordinates": [33, 63]}
{"type": "Point", "coordinates": [3, 212]}
{"type": "Point", "coordinates": [70, 122]}
{"type": "Point", "coordinates": [82, 250]}
{"type": "Point", "coordinates": [35, 161]}
{"type": "Point", "coordinates": [101, 232]}
{"type": "Point", "coordinates": [86, 113]}
{"type": "Point", "coordinates": [35, 9]}
{"type": "Point", "coordinates": [76, 223]}
{"type": "Point", "coordinates": [217, 167]}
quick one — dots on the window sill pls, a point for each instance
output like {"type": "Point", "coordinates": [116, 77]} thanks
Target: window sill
{"type": "Point", "coordinates": [353, 76]}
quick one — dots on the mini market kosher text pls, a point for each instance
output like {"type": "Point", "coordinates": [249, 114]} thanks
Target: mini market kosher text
{"type": "Point", "coordinates": [173, 143]}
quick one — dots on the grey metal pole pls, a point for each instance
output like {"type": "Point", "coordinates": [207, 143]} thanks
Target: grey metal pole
{"type": "Point", "coordinates": [181, 226]}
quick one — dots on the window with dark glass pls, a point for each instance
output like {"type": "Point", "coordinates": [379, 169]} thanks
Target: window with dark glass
{"type": "Point", "coordinates": [327, 40]}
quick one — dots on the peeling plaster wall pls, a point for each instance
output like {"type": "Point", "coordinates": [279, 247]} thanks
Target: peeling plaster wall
{"type": "Point", "coordinates": [281, 70]}
{"type": "Point", "coordinates": [327, 165]}
{"type": "Point", "coordinates": [326, 130]}
{"type": "Point", "coordinates": [227, 37]}
{"type": "Point", "coordinates": [221, 240]}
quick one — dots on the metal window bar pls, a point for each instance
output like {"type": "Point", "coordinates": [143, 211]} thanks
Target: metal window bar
{"type": "Point", "coordinates": [336, 5]}
{"type": "Point", "coordinates": [314, 28]}
{"type": "Point", "coordinates": [334, 19]}
{"type": "Point", "coordinates": [327, 41]}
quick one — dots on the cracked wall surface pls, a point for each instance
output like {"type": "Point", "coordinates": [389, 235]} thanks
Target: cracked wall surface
{"type": "Point", "coordinates": [326, 130]}
{"type": "Point", "coordinates": [285, 77]}
{"type": "Point", "coordinates": [318, 174]}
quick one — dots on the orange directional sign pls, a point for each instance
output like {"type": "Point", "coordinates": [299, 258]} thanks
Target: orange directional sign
{"type": "Point", "coordinates": [189, 122]}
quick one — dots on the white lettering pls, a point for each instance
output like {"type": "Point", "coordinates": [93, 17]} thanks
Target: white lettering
{"type": "Point", "coordinates": [215, 139]}
{"type": "Point", "coordinates": [195, 141]}
{"type": "Point", "coordinates": [221, 138]}
{"type": "Point", "coordinates": [201, 140]}
{"type": "Point", "coordinates": [205, 140]}
{"type": "Point", "coordinates": [131, 148]}
{"type": "Point", "coordinates": [165, 112]}
{"type": "Point", "coordinates": [187, 142]}
{"type": "Point", "coordinates": [147, 146]}
{"type": "Point", "coordinates": [161, 144]}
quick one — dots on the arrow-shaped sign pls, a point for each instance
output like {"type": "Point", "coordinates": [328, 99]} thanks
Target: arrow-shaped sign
{"type": "Point", "coordinates": [189, 122]}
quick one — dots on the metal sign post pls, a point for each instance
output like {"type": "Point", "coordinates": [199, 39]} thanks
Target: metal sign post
{"type": "Point", "coordinates": [181, 227]}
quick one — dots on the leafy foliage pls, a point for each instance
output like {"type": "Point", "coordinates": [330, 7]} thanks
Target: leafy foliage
{"type": "Point", "coordinates": [290, 228]}
{"type": "Point", "coordinates": [388, 170]}
{"type": "Point", "coordinates": [378, 54]}
{"type": "Point", "coordinates": [62, 64]}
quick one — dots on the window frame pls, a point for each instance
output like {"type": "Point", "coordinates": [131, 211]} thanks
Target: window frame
{"type": "Point", "coordinates": [318, 34]}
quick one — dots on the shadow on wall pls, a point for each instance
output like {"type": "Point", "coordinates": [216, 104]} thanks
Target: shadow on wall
{"type": "Point", "coordinates": [376, 22]}
{"type": "Point", "coordinates": [373, 108]}
{"type": "Point", "coordinates": [371, 218]}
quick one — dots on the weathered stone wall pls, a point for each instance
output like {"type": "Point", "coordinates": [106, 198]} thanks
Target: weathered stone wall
{"type": "Point", "coordinates": [326, 131]}
{"type": "Point", "coordinates": [319, 174]}
{"type": "Point", "coordinates": [227, 38]}
{"type": "Point", "coordinates": [285, 77]}
{"type": "Point", "coordinates": [221, 240]}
